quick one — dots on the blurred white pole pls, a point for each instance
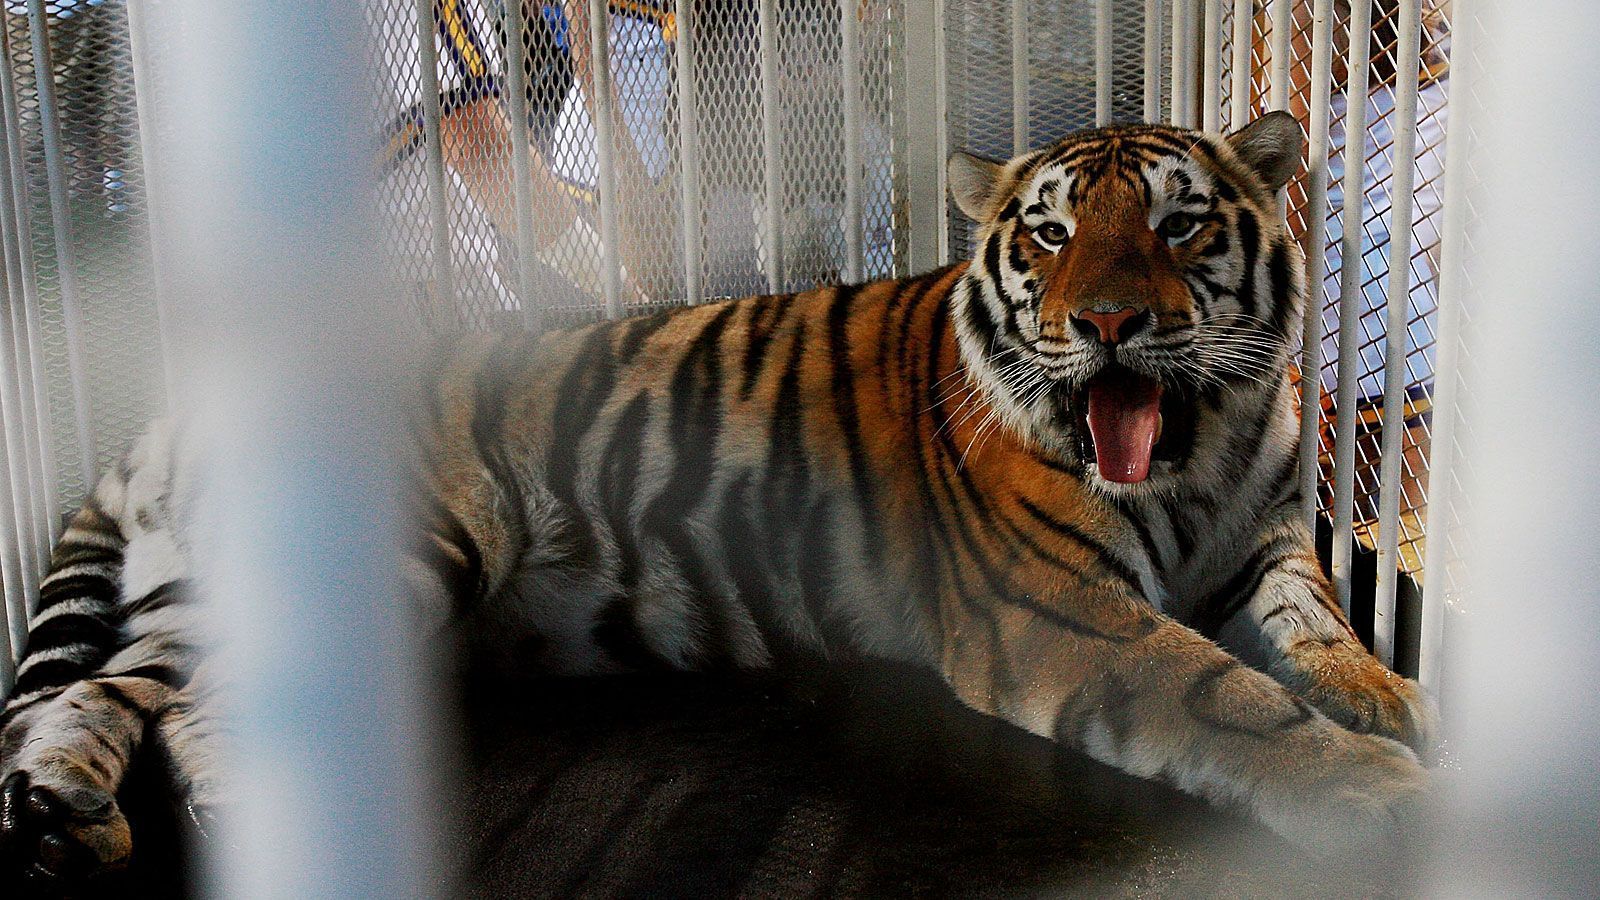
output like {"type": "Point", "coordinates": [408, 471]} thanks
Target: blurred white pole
{"type": "Point", "coordinates": [1102, 62]}
{"type": "Point", "coordinates": [1407, 68]}
{"type": "Point", "coordinates": [1021, 69]}
{"type": "Point", "coordinates": [1152, 61]}
{"type": "Point", "coordinates": [1316, 258]}
{"type": "Point", "coordinates": [263, 136]}
{"type": "Point", "coordinates": [771, 148]}
{"type": "Point", "coordinates": [1351, 302]}
{"type": "Point", "coordinates": [1527, 725]}
{"type": "Point", "coordinates": [850, 82]}
{"type": "Point", "coordinates": [689, 145]}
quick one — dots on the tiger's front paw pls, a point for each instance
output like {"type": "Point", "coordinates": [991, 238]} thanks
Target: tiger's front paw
{"type": "Point", "coordinates": [1363, 799]}
{"type": "Point", "coordinates": [59, 830]}
{"type": "Point", "coordinates": [1352, 688]}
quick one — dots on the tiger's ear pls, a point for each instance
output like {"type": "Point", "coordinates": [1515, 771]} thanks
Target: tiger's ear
{"type": "Point", "coordinates": [974, 184]}
{"type": "Point", "coordinates": [1271, 146]}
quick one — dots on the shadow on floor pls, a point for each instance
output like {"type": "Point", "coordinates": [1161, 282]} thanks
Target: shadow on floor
{"type": "Point", "coordinates": [869, 783]}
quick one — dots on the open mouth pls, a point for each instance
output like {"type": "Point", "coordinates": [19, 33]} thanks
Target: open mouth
{"type": "Point", "coordinates": [1129, 421]}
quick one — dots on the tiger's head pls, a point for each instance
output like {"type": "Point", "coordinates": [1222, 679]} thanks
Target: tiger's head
{"type": "Point", "coordinates": [1129, 282]}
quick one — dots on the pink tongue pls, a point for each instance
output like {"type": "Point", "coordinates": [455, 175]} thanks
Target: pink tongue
{"type": "Point", "coordinates": [1124, 410]}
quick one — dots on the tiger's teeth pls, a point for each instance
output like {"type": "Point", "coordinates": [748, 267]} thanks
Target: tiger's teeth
{"type": "Point", "coordinates": [1159, 422]}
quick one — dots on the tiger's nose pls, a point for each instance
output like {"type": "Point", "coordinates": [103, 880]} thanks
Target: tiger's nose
{"type": "Point", "coordinates": [1111, 326]}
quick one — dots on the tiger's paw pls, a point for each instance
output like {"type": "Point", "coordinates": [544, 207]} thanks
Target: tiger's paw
{"type": "Point", "coordinates": [59, 831]}
{"type": "Point", "coordinates": [1365, 802]}
{"type": "Point", "coordinates": [1352, 688]}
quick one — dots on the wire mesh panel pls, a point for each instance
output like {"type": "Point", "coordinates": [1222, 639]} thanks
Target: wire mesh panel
{"type": "Point", "coordinates": [763, 199]}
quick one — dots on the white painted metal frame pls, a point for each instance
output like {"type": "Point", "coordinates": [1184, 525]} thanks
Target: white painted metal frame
{"type": "Point", "coordinates": [516, 94]}
{"type": "Point", "coordinates": [689, 145]}
{"type": "Point", "coordinates": [771, 147]}
{"type": "Point", "coordinates": [1350, 304]}
{"type": "Point", "coordinates": [1316, 215]}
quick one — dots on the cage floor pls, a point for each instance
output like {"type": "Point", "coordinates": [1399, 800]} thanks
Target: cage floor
{"type": "Point", "coordinates": [867, 785]}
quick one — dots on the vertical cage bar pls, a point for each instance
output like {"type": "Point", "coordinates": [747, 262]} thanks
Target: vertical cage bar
{"type": "Point", "coordinates": [1211, 87]}
{"type": "Point", "coordinates": [145, 114]}
{"type": "Point", "coordinates": [41, 508]}
{"type": "Point", "coordinates": [1243, 36]}
{"type": "Point", "coordinates": [1350, 302]}
{"type": "Point", "coordinates": [605, 155]}
{"type": "Point", "coordinates": [438, 186]}
{"type": "Point", "coordinates": [1282, 29]}
{"type": "Point", "coordinates": [15, 614]}
{"type": "Point", "coordinates": [1021, 72]}
{"type": "Point", "coordinates": [1103, 72]}
{"type": "Point", "coordinates": [1316, 259]}
{"type": "Point", "coordinates": [771, 146]}
{"type": "Point", "coordinates": [516, 94]}
{"type": "Point", "coordinates": [1182, 102]}
{"type": "Point", "coordinates": [1407, 70]}
{"type": "Point", "coordinates": [61, 224]}
{"type": "Point", "coordinates": [1446, 398]}
{"type": "Point", "coordinates": [926, 147]}
{"type": "Point", "coordinates": [850, 83]}
{"type": "Point", "coordinates": [1152, 61]}
{"type": "Point", "coordinates": [689, 145]}
{"type": "Point", "coordinates": [19, 491]}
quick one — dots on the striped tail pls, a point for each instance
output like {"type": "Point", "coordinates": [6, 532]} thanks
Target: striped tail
{"type": "Point", "coordinates": [78, 624]}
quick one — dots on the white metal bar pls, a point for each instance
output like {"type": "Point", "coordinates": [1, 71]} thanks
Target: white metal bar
{"type": "Point", "coordinates": [19, 579]}
{"type": "Point", "coordinates": [1316, 257]}
{"type": "Point", "coordinates": [1021, 72]}
{"type": "Point", "coordinates": [1211, 85]}
{"type": "Point", "coordinates": [14, 609]}
{"type": "Point", "coordinates": [1447, 379]}
{"type": "Point", "coordinates": [941, 105]}
{"type": "Point", "coordinates": [1404, 119]}
{"type": "Point", "coordinates": [438, 186]}
{"type": "Point", "coordinates": [516, 94]}
{"type": "Point", "coordinates": [926, 144]}
{"type": "Point", "coordinates": [1152, 61]}
{"type": "Point", "coordinates": [1182, 101]}
{"type": "Point", "coordinates": [61, 223]}
{"type": "Point", "coordinates": [689, 146]}
{"type": "Point", "coordinates": [295, 397]}
{"type": "Point", "coordinates": [1282, 29]}
{"type": "Point", "coordinates": [1103, 71]}
{"type": "Point", "coordinates": [139, 46]}
{"type": "Point", "coordinates": [1243, 37]}
{"type": "Point", "coordinates": [850, 83]}
{"type": "Point", "coordinates": [1351, 301]}
{"type": "Point", "coordinates": [19, 490]}
{"type": "Point", "coordinates": [41, 508]}
{"type": "Point", "coordinates": [771, 146]}
{"type": "Point", "coordinates": [605, 155]}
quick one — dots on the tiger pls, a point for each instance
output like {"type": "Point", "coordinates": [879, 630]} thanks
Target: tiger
{"type": "Point", "coordinates": [1061, 475]}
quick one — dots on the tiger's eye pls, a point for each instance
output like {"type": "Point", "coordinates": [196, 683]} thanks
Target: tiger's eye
{"type": "Point", "coordinates": [1176, 226]}
{"type": "Point", "coordinates": [1053, 233]}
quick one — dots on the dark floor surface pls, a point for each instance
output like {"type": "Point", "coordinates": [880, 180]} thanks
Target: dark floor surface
{"type": "Point", "coordinates": [873, 784]}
